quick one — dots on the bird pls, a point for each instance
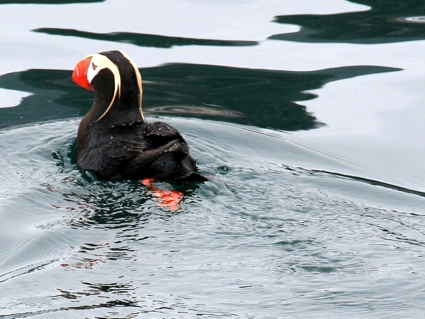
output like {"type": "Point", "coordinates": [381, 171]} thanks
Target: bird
{"type": "Point", "coordinates": [114, 140]}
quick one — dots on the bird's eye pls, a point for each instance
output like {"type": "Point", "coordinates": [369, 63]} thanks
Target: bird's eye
{"type": "Point", "coordinates": [94, 66]}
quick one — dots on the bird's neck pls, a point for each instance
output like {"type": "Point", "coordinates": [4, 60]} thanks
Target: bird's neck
{"type": "Point", "coordinates": [124, 110]}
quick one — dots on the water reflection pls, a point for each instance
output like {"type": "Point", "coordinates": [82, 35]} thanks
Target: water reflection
{"type": "Point", "coordinates": [263, 98]}
{"type": "Point", "coordinates": [47, 1]}
{"type": "Point", "coordinates": [142, 39]}
{"type": "Point", "coordinates": [53, 96]}
{"type": "Point", "coordinates": [120, 206]}
{"type": "Point", "coordinates": [386, 22]}
{"type": "Point", "coordinates": [116, 252]}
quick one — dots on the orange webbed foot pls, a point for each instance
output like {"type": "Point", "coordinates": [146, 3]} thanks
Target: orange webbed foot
{"type": "Point", "coordinates": [168, 198]}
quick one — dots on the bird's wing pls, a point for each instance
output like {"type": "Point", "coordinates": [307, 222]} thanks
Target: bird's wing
{"type": "Point", "coordinates": [115, 161]}
{"type": "Point", "coordinates": [137, 158]}
{"type": "Point", "coordinates": [160, 133]}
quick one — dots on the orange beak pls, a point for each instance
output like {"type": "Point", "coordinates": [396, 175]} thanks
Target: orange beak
{"type": "Point", "coordinates": [79, 75]}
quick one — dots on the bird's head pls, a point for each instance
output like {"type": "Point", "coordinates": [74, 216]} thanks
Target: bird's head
{"type": "Point", "coordinates": [113, 76]}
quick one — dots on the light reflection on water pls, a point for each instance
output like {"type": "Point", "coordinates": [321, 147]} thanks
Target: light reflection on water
{"type": "Point", "coordinates": [257, 238]}
{"type": "Point", "coordinates": [308, 122]}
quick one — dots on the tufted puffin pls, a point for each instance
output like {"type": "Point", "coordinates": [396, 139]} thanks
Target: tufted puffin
{"type": "Point", "coordinates": [114, 139]}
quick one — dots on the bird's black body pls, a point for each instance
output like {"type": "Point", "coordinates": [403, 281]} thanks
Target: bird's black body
{"type": "Point", "coordinates": [119, 143]}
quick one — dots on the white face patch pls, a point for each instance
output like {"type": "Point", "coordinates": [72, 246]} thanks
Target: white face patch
{"type": "Point", "coordinates": [99, 62]}
{"type": "Point", "coordinates": [95, 66]}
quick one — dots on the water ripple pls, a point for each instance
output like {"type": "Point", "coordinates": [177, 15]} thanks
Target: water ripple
{"type": "Point", "coordinates": [265, 231]}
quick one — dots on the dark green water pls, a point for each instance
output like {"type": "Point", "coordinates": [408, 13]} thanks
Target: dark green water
{"type": "Point", "coordinates": [313, 139]}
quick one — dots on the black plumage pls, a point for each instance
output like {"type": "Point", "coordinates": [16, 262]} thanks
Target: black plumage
{"type": "Point", "coordinates": [114, 140]}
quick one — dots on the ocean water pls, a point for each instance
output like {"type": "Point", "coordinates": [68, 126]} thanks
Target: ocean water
{"type": "Point", "coordinates": [307, 118]}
